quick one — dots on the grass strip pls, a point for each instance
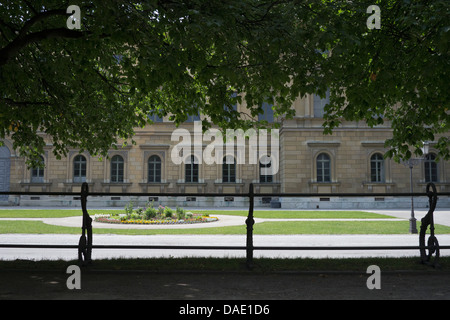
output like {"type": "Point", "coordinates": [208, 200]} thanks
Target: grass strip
{"type": "Point", "coordinates": [50, 213]}
{"type": "Point", "coordinates": [299, 214]}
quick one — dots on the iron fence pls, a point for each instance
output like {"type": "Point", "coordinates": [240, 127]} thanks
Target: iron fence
{"type": "Point", "coordinates": [429, 250]}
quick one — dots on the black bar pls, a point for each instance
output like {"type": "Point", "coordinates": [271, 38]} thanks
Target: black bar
{"type": "Point", "coordinates": [250, 222]}
{"type": "Point", "coordinates": [151, 247]}
{"type": "Point", "coordinates": [243, 195]}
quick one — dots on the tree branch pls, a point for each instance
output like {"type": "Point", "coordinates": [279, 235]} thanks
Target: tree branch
{"type": "Point", "coordinates": [22, 103]}
{"type": "Point", "coordinates": [15, 46]}
{"type": "Point", "coordinates": [39, 17]}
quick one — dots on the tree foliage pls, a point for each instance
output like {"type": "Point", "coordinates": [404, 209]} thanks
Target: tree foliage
{"type": "Point", "coordinates": [88, 88]}
{"type": "Point", "coordinates": [399, 73]}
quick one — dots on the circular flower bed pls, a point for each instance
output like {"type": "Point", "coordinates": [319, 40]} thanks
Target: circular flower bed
{"type": "Point", "coordinates": [115, 219]}
{"type": "Point", "coordinates": [150, 215]}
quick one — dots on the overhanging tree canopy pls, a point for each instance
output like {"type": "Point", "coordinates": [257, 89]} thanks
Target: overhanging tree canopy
{"type": "Point", "coordinates": [87, 88]}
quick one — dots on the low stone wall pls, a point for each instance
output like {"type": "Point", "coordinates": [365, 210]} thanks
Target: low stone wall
{"type": "Point", "coordinates": [306, 203]}
{"type": "Point", "coordinates": [362, 203]}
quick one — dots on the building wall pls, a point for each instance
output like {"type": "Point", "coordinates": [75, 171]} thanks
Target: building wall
{"type": "Point", "coordinates": [349, 149]}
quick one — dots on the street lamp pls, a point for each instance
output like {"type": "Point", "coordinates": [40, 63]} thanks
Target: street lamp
{"type": "Point", "coordinates": [411, 162]}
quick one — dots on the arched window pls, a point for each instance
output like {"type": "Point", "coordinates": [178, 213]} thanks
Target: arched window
{"type": "Point", "coordinates": [79, 169]}
{"type": "Point", "coordinates": [377, 168]}
{"type": "Point", "coordinates": [430, 165]}
{"type": "Point", "coordinates": [117, 165]}
{"type": "Point", "coordinates": [154, 169]}
{"type": "Point", "coordinates": [265, 164]}
{"type": "Point", "coordinates": [191, 169]}
{"type": "Point", "coordinates": [229, 169]}
{"type": "Point", "coordinates": [37, 174]}
{"type": "Point", "coordinates": [323, 164]}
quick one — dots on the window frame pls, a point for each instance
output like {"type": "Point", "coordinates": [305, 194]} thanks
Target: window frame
{"type": "Point", "coordinates": [267, 114]}
{"type": "Point", "coordinates": [228, 170]}
{"type": "Point", "coordinates": [154, 167]}
{"type": "Point", "coordinates": [37, 173]}
{"type": "Point", "coordinates": [116, 168]}
{"type": "Point", "coordinates": [80, 165]}
{"type": "Point", "coordinates": [263, 178]}
{"type": "Point", "coordinates": [323, 164]}
{"type": "Point", "coordinates": [377, 168]}
{"type": "Point", "coordinates": [191, 170]}
{"type": "Point", "coordinates": [430, 166]}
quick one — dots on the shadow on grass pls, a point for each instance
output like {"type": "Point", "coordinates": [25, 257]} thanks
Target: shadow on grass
{"type": "Point", "coordinates": [261, 265]}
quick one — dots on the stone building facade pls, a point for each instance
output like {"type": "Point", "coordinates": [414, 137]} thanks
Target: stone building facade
{"type": "Point", "coordinates": [348, 161]}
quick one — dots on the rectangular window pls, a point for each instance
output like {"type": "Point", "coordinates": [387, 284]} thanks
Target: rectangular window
{"type": "Point", "coordinates": [154, 169]}
{"type": "Point", "coordinates": [323, 168]}
{"type": "Point", "coordinates": [431, 172]}
{"type": "Point", "coordinates": [79, 169]}
{"type": "Point", "coordinates": [37, 174]}
{"type": "Point", "coordinates": [265, 164]}
{"type": "Point", "coordinates": [117, 165]}
{"type": "Point", "coordinates": [267, 114]}
{"type": "Point", "coordinates": [377, 168]}
{"type": "Point", "coordinates": [319, 104]}
{"type": "Point", "coordinates": [229, 170]}
{"type": "Point", "coordinates": [191, 174]}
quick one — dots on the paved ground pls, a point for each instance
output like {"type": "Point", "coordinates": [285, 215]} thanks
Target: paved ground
{"type": "Point", "coordinates": [310, 241]}
{"type": "Point", "coordinates": [432, 285]}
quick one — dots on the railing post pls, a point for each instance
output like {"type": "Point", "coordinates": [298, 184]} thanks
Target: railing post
{"type": "Point", "coordinates": [250, 222]}
{"type": "Point", "coordinates": [428, 220]}
{"type": "Point", "coordinates": [85, 245]}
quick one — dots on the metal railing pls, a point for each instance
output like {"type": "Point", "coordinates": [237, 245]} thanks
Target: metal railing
{"type": "Point", "coordinates": [429, 253]}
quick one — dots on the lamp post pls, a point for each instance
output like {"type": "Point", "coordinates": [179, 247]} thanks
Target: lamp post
{"type": "Point", "coordinates": [411, 163]}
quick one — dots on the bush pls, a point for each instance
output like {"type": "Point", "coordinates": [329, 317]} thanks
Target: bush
{"type": "Point", "coordinates": [180, 213]}
{"type": "Point", "coordinates": [168, 212]}
{"type": "Point", "coordinates": [135, 216]}
{"type": "Point", "coordinates": [150, 213]}
{"type": "Point", "coordinates": [129, 208]}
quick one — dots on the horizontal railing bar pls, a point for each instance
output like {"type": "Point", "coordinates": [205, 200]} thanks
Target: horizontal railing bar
{"type": "Point", "coordinates": [299, 248]}
{"type": "Point", "coordinates": [353, 248]}
{"type": "Point", "coordinates": [244, 195]}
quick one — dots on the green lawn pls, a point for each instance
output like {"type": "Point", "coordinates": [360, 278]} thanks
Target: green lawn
{"type": "Point", "coordinates": [264, 228]}
{"type": "Point", "coordinates": [285, 214]}
{"type": "Point", "coordinates": [53, 213]}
